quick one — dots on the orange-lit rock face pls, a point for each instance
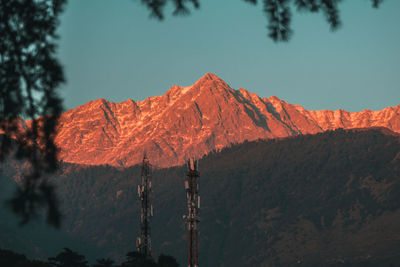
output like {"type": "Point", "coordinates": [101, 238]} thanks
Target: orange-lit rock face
{"type": "Point", "coordinates": [192, 121]}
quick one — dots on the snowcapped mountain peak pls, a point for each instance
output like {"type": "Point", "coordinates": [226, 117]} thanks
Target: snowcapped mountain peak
{"type": "Point", "coordinates": [210, 77]}
{"type": "Point", "coordinates": [193, 120]}
{"type": "Point", "coordinates": [211, 80]}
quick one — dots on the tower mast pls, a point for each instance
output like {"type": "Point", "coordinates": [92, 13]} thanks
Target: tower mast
{"type": "Point", "coordinates": [193, 203]}
{"type": "Point", "coordinates": [143, 242]}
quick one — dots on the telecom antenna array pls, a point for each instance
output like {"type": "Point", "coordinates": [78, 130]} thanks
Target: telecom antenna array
{"type": "Point", "coordinates": [193, 203]}
{"type": "Point", "coordinates": [143, 242]}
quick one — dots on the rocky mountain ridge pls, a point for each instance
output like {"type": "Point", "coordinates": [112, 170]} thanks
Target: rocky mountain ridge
{"type": "Point", "coordinates": [192, 121]}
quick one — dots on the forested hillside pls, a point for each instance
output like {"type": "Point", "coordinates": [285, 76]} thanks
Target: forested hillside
{"type": "Point", "coordinates": [35, 239]}
{"type": "Point", "coordinates": [329, 198]}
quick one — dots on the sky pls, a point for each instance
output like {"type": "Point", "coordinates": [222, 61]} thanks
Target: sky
{"type": "Point", "coordinates": [113, 50]}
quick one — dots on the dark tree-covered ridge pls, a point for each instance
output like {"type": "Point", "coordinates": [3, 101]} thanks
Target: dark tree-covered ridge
{"type": "Point", "coordinates": [330, 196]}
{"type": "Point", "coordinates": [319, 199]}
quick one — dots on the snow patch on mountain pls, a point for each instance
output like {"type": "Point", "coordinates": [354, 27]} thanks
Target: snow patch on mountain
{"type": "Point", "coordinates": [194, 120]}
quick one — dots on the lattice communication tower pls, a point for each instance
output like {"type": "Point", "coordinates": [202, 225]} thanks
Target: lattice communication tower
{"type": "Point", "coordinates": [145, 193]}
{"type": "Point", "coordinates": [192, 219]}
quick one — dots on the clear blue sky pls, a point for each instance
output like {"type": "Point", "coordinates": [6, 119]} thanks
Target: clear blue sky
{"type": "Point", "coordinates": [111, 49]}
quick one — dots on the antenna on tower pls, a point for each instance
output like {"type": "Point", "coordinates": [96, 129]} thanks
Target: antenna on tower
{"type": "Point", "coordinates": [145, 193]}
{"type": "Point", "coordinates": [192, 219]}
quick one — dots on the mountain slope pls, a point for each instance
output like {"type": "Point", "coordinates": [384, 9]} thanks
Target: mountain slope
{"type": "Point", "coordinates": [35, 239]}
{"type": "Point", "coordinates": [192, 121]}
{"type": "Point", "coordinates": [329, 198]}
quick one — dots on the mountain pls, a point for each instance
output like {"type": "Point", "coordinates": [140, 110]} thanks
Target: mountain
{"type": "Point", "coordinates": [192, 121]}
{"type": "Point", "coordinates": [327, 199]}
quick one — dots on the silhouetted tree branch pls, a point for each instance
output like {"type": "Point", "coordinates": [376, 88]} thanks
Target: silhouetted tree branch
{"type": "Point", "coordinates": [278, 12]}
{"type": "Point", "coordinates": [29, 77]}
